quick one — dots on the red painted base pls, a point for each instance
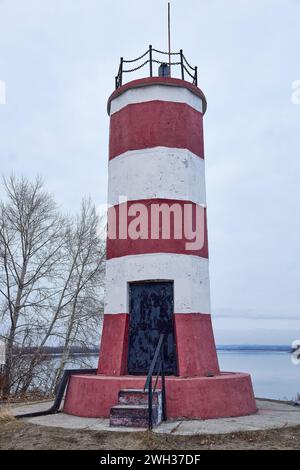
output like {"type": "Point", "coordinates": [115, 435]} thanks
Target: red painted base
{"type": "Point", "coordinates": [224, 395]}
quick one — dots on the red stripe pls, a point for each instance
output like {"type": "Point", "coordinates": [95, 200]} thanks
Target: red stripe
{"type": "Point", "coordinates": [123, 247]}
{"type": "Point", "coordinates": [196, 350]}
{"type": "Point", "coordinates": [195, 345]}
{"type": "Point", "coordinates": [114, 345]}
{"type": "Point", "coordinates": [166, 81]}
{"type": "Point", "coordinates": [156, 123]}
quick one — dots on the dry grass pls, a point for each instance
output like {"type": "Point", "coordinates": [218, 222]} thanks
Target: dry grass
{"type": "Point", "coordinates": [6, 415]}
{"type": "Point", "coordinates": [23, 435]}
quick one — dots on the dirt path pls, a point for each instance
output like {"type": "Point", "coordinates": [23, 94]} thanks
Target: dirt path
{"type": "Point", "coordinates": [20, 435]}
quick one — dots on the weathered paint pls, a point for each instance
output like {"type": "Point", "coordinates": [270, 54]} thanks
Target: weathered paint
{"type": "Point", "coordinates": [151, 314]}
{"type": "Point", "coordinates": [137, 397]}
{"type": "Point", "coordinates": [114, 345]}
{"type": "Point", "coordinates": [228, 394]}
{"type": "Point", "coordinates": [152, 81]}
{"type": "Point", "coordinates": [154, 124]}
{"type": "Point", "coordinates": [189, 273]}
{"type": "Point", "coordinates": [179, 243]}
{"type": "Point", "coordinates": [136, 416]}
{"type": "Point", "coordinates": [158, 172]}
{"type": "Point", "coordinates": [156, 92]}
{"type": "Point", "coordinates": [132, 409]}
{"type": "Point", "coordinates": [195, 344]}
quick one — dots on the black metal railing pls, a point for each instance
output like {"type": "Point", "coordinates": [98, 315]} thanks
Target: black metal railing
{"type": "Point", "coordinates": [60, 390]}
{"type": "Point", "coordinates": [151, 56]}
{"type": "Point", "coordinates": [158, 364]}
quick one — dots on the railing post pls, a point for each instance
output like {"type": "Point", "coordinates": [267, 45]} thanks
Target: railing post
{"type": "Point", "coordinates": [150, 60]}
{"type": "Point", "coordinates": [121, 72]}
{"type": "Point", "coordinates": [159, 354]}
{"type": "Point", "coordinates": [181, 64]}
{"type": "Point", "coordinates": [196, 76]}
{"type": "Point", "coordinates": [150, 403]}
{"type": "Point", "coordinates": [163, 383]}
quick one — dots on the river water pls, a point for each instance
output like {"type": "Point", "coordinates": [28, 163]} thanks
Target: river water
{"type": "Point", "coordinates": [273, 373]}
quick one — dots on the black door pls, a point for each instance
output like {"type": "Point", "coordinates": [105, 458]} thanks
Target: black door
{"type": "Point", "coordinates": [151, 313]}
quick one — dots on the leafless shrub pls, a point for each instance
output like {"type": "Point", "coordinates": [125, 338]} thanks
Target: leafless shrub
{"type": "Point", "coordinates": [6, 415]}
{"type": "Point", "coordinates": [51, 283]}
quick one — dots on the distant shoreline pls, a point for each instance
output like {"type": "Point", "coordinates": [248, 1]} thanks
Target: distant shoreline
{"type": "Point", "coordinates": [57, 351]}
{"type": "Point", "coordinates": [255, 347]}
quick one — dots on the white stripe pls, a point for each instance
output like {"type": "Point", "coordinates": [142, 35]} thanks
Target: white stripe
{"type": "Point", "coordinates": [189, 273]}
{"type": "Point", "coordinates": [158, 172]}
{"type": "Point", "coordinates": [156, 92]}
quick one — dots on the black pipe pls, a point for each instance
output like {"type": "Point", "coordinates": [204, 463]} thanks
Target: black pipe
{"type": "Point", "coordinates": [59, 393]}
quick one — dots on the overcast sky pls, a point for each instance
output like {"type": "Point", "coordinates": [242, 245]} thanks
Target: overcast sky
{"type": "Point", "coordinates": [58, 59]}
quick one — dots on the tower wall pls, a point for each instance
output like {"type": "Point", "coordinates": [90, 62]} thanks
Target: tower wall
{"type": "Point", "coordinates": [156, 156]}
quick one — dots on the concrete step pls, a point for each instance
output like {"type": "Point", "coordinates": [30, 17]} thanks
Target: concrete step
{"type": "Point", "coordinates": [133, 416]}
{"type": "Point", "coordinates": [137, 397]}
{"type": "Point", "coordinates": [132, 410]}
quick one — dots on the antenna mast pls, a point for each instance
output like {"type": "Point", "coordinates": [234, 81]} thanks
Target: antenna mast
{"type": "Point", "coordinates": [169, 34]}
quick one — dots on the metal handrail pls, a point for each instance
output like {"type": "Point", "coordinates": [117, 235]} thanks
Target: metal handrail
{"type": "Point", "coordinates": [159, 354]}
{"type": "Point", "coordinates": [149, 59]}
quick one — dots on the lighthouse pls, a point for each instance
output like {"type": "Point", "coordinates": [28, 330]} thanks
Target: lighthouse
{"type": "Point", "coordinates": [157, 268]}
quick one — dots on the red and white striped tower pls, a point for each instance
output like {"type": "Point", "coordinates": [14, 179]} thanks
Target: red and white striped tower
{"type": "Point", "coordinates": [156, 156]}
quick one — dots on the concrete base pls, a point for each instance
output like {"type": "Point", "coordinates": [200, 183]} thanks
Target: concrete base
{"type": "Point", "coordinates": [270, 415]}
{"type": "Point", "coordinates": [224, 395]}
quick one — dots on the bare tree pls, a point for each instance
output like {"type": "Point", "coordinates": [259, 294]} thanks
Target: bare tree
{"type": "Point", "coordinates": [31, 242]}
{"type": "Point", "coordinates": [51, 270]}
{"type": "Point", "coordinates": [86, 257]}
{"type": "Point", "coordinates": [78, 307]}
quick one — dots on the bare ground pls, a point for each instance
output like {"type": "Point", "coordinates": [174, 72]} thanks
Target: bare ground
{"type": "Point", "coordinates": [20, 435]}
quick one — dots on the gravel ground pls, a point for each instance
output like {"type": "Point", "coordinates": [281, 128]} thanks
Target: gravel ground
{"type": "Point", "coordinates": [16, 434]}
